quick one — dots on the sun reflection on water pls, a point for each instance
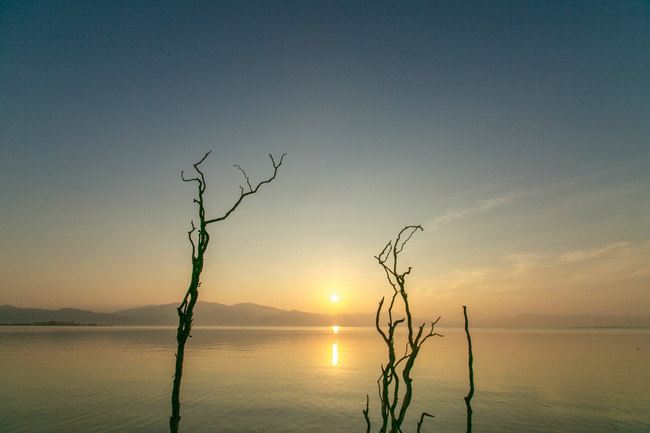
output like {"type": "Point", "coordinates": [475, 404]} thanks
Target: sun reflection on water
{"type": "Point", "coordinates": [335, 362]}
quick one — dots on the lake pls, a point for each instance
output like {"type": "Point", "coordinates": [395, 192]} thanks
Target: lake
{"type": "Point", "coordinates": [313, 380]}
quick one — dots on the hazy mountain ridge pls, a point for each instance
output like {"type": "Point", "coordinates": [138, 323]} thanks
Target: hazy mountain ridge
{"type": "Point", "coordinates": [249, 314]}
{"type": "Point", "coordinates": [205, 313]}
{"type": "Point", "coordinates": [11, 314]}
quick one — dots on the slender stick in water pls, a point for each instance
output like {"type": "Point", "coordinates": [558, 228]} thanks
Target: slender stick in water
{"type": "Point", "coordinates": [470, 364]}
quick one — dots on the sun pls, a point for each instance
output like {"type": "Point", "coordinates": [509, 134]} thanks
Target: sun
{"type": "Point", "coordinates": [335, 298]}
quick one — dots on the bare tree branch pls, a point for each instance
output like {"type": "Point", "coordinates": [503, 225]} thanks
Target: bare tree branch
{"type": "Point", "coordinates": [248, 180]}
{"type": "Point", "coordinates": [185, 309]}
{"type": "Point", "coordinates": [396, 373]}
{"type": "Point", "coordinates": [192, 179]}
{"type": "Point", "coordinates": [422, 420]}
{"type": "Point", "coordinates": [189, 235]}
{"type": "Point", "coordinates": [244, 194]}
{"type": "Point", "coordinates": [365, 413]}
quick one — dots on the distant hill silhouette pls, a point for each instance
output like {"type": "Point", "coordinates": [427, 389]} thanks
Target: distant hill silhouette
{"type": "Point", "coordinates": [249, 314]}
{"type": "Point", "coordinates": [206, 314]}
{"type": "Point", "coordinates": [11, 314]}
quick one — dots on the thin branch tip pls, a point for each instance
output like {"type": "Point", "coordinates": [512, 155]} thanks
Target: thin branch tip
{"type": "Point", "coordinates": [204, 157]}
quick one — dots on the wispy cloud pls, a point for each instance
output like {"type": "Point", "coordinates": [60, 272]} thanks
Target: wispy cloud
{"type": "Point", "coordinates": [611, 278]}
{"type": "Point", "coordinates": [556, 189]}
{"type": "Point", "coordinates": [478, 207]}
{"type": "Point", "coordinates": [594, 253]}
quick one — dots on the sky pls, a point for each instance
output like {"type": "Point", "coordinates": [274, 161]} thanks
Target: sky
{"type": "Point", "coordinates": [516, 133]}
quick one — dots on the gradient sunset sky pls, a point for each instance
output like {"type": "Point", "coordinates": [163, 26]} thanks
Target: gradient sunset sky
{"type": "Point", "coordinates": [517, 133]}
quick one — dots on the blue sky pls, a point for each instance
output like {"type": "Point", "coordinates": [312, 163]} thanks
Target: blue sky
{"type": "Point", "coordinates": [515, 132]}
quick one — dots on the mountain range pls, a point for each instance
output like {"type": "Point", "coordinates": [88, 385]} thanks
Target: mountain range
{"type": "Point", "coordinates": [205, 313]}
{"type": "Point", "coordinates": [249, 314]}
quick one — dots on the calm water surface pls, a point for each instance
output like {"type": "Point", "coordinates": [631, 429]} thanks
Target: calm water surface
{"type": "Point", "coordinates": [272, 380]}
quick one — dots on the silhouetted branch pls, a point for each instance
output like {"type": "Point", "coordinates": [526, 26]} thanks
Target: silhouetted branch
{"type": "Point", "coordinates": [399, 247]}
{"type": "Point", "coordinates": [422, 420]}
{"type": "Point", "coordinates": [377, 325]}
{"type": "Point", "coordinates": [243, 194]}
{"type": "Point", "coordinates": [248, 180]}
{"type": "Point", "coordinates": [196, 164]}
{"type": "Point", "coordinates": [192, 179]}
{"type": "Point", "coordinates": [189, 235]}
{"type": "Point", "coordinates": [196, 167]}
{"type": "Point", "coordinates": [470, 364]}
{"type": "Point", "coordinates": [365, 413]}
{"type": "Point", "coordinates": [393, 408]}
{"type": "Point", "coordinates": [185, 310]}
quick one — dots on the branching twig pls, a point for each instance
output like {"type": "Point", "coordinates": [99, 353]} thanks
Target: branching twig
{"type": "Point", "coordinates": [252, 190]}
